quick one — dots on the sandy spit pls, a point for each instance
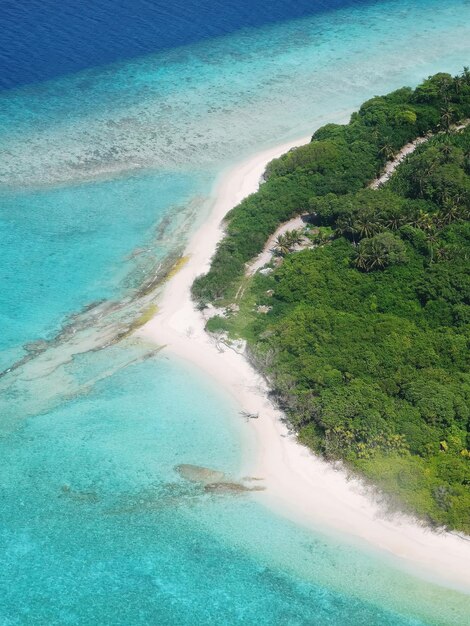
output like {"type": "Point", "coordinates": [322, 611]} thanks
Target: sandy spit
{"type": "Point", "coordinates": [298, 485]}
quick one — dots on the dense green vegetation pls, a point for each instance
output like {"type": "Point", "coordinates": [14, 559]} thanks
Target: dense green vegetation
{"type": "Point", "coordinates": [340, 159]}
{"type": "Point", "coordinates": [365, 334]}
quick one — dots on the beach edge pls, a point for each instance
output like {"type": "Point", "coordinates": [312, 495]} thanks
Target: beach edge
{"type": "Point", "coordinates": [299, 485]}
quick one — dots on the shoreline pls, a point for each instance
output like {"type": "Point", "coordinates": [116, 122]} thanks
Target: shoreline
{"type": "Point", "coordinates": [299, 485]}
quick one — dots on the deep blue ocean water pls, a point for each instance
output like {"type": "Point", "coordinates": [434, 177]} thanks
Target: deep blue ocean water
{"type": "Point", "coordinates": [47, 38]}
{"type": "Point", "coordinates": [116, 119]}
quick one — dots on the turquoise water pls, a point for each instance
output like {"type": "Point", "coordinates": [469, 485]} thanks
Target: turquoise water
{"type": "Point", "coordinates": [103, 176]}
{"type": "Point", "coordinates": [66, 247]}
{"type": "Point", "coordinates": [97, 527]}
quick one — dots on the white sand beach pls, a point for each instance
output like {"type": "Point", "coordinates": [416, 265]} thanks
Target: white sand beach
{"type": "Point", "coordinates": [298, 485]}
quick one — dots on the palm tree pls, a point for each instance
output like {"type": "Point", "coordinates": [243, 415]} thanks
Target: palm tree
{"type": "Point", "coordinates": [446, 118]}
{"type": "Point", "coordinates": [294, 237]}
{"type": "Point", "coordinates": [396, 220]}
{"type": "Point", "coordinates": [380, 251]}
{"type": "Point", "coordinates": [424, 221]}
{"type": "Point", "coordinates": [458, 83]}
{"type": "Point", "coordinates": [432, 239]}
{"type": "Point", "coordinates": [370, 259]}
{"type": "Point", "coordinates": [286, 242]}
{"type": "Point", "coordinates": [444, 253]}
{"type": "Point", "coordinates": [450, 252]}
{"type": "Point", "coordinates": [421, 174]}
{"type": "Point", "coordinates": [387, 151]}
{"type": "Point", "coordinates": [362, 260]}
{"type": "Point", "coordinates": [345, 226]}
{"type": "Point", "coordinates": [450, 211]}
{"type": "Point", "coordinates": [377, 257]}
{"type": "Point", "coordinates": [466, 75]}
{"type": "Point", "coordinates": [446, 149]}
{"type": "Point", "coordinates": [444, 89]}
{"type": "Point", "coordinates": [366, 225]}
{"type": "Point", "coordinates": [282, 245]}
{"type": "Point", "coordinates": [322, 238]}
{"type": "Point", "coordinates": [371, 256]}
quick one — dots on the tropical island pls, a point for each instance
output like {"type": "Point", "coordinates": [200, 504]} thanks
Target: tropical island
{"type": "Point", "coordinates": [360, 321]}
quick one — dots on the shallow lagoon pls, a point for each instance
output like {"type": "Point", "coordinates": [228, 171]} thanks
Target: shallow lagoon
{"type": "Point", "coordinates": [98, 527]}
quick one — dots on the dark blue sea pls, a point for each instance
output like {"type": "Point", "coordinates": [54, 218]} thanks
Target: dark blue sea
{"type": "Point", "coordinates": [44, 39]}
